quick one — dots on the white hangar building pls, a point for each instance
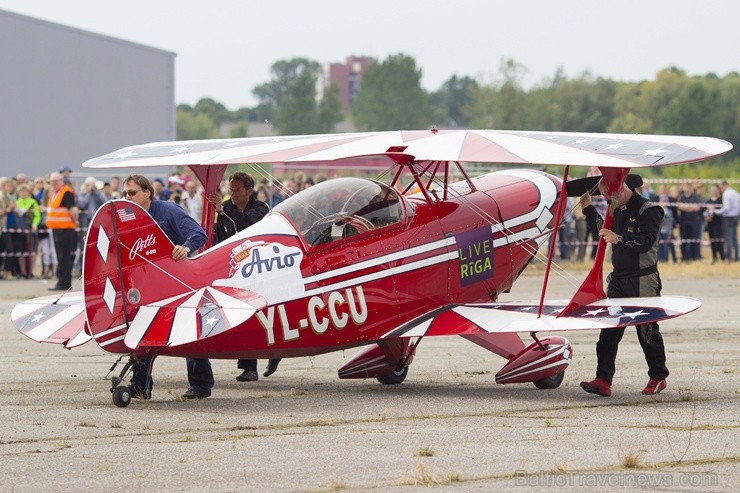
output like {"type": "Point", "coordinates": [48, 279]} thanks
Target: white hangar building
{"type": "Point", "coordinates": [68, 95]}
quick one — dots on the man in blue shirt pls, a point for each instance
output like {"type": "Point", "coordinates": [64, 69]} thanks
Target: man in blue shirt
{"type": "Point", "coordinates": [188, 236]}
{"type": "Point", "coordinates": [730, 212]}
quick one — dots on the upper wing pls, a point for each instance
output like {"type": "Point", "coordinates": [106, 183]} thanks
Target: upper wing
{"type": "Point", "coordinates": [522, 316]}
{"type": "Point", "coordinates": [491, 146]}
{"type": "Point", "coordinates": [55, 319]}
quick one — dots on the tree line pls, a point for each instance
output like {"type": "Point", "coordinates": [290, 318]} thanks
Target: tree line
{"type": "Point", "coordinates": [391, 98]}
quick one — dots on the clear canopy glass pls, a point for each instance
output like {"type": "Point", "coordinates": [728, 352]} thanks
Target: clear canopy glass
{"type": "Point", "coordinates": [341, 208]}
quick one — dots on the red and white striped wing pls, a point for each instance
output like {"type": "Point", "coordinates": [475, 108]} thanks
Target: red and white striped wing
{"type": "Point", "coordinates": [54, 319]}
{"type": "Point", "coordinates": [489, 146]}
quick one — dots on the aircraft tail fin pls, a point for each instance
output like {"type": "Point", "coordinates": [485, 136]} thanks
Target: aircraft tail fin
{"type": "Point", "coordinates": [127, 265]}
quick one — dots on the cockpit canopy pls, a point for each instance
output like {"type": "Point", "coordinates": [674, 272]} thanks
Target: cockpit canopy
{"type": "Point", "coordinates": [340, 208]}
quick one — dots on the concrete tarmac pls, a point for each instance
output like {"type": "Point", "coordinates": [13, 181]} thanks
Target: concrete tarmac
{"type": "Point", "coordinates": [448, 425]}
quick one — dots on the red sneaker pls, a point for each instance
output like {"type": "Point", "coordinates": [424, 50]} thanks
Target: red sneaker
{"type": "Point", "coordinates": [654, 386]}
{"type": "Point", "coordinates": [598, 386]}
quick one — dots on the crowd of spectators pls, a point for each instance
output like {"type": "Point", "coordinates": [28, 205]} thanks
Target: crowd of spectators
{"type": "Point", "coordinates": [26, 245]}
{"type": "Point", "coordinates": [694, 215]}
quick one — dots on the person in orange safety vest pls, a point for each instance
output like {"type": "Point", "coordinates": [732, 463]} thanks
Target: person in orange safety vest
{"type": "Point", "coordinates": [61, 219]}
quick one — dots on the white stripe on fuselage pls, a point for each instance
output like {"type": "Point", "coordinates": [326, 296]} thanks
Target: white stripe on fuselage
{"type": "Point", "coordinates": [385, 259]}
{"type": "Point", "coordinates": [548, 196]}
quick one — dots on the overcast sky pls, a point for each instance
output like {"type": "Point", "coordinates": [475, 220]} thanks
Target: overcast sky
{"type": "Point", "coordinates": [226, 47]}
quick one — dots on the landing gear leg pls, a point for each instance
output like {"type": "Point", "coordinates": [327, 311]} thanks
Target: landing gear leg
{"type": "Point", "coordinates": [402, 369]}
{"type": "Point", "coordinates": [121, 394]}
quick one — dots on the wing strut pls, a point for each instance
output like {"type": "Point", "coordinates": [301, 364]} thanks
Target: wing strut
{"type": "Point", "coordinates": [553, 240]}
{"type": "Point", "coordinates": [592, 288]}
{"type": "Point", "coordinates": [210, 177]}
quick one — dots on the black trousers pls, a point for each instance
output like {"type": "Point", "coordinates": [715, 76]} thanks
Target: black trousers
{"type": "Point", "coordinates": [247, 364]}
{"type": "Point", "coordinates": [65, 244]}
{"type": "Point", "coordinates": [649, 335]}
{"type": "Point", "coordinates": [200, 373]}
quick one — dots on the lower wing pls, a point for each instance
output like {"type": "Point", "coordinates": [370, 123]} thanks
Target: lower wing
{"type": "Point", "coordinates": [55, 319]}
{"type": "Point", "coordinates": [523, 316]}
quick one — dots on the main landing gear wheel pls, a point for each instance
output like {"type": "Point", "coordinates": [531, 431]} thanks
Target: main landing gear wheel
{"type": "Point", "coordinates": [121, 396]}
{"type": "Point", "coordinates": [394, 378]}
{"type": "Point", "coordinates": [552, 382]}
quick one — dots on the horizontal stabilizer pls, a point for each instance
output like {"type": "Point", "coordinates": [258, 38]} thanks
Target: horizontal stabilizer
{"type": "Point", "coordinates": [522, 316]}
{"type": "Point", "coordinates": [53, 319]}
{"type": "Point", "coordinates": [192, 316]}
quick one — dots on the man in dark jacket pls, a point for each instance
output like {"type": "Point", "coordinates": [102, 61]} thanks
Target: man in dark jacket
{"type": "Point", "coordinates": [634, 238]}
{"type": "Point", "coordinates": [239, 212]}
{"type": "Point", "coordinates": [188, 237]}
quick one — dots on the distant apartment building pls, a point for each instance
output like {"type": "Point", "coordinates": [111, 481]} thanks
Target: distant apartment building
{"type": "Point", "coordinates": [347, 76]}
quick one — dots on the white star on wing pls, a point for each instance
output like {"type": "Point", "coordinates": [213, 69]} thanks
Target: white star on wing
{"type": "Point", "coordinates": [552, 137]}
{"type": "Point", "coordinates": [211, 321]}
{"type": "Point", "coordinates": [125, 155]}
{"type": "Point", "coordinates": [580, 141]}
{"type": "Point", "coordinates": [594, 312]}
{"type": "Point", "coordinates": [181, 149]}
{"type": "Point", "coordinates": [231, 144]}
{"type": "Point", "coordinates": [526, 308]}
{"type": "Point", "coordinates": [615, 147]}
{"type": "Point", "coordinates": [557, 310]}
{"type": "Point", "coordinates": [638, 313]}
{"type": "Point", "coordinates": [655, 152]}
{"type": "Point", "coordinates": [38, 317]}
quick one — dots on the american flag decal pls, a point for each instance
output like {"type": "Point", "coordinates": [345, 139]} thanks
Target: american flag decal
{"type": "Point", "coordinates": [126, 214]}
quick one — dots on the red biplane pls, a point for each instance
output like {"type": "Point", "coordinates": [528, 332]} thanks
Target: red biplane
{"type": "Point", "coordinates": [354, 262]}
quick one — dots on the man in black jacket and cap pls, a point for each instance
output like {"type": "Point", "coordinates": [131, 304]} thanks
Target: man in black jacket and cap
{"type": "Point", "coordinates": [239, 212]}
{"type": "Point", "coordinates": [634, 236]}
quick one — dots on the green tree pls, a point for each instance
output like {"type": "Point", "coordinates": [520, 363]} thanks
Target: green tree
{"type": "Point", "coordinates": [191, 126]}
{"type": "Point", "coordinates": [729, 89]}
{"type": "Point", "coordinates": [391, 97]}
{"type": "Point", "coordinates": [239, 130]}
{"type": "Point", "coordinates": [629, 116]}
{"type": "Point", "coordinates": [214, 110]}
{"type": "Point", "coordinates": [656, 95]}
{"type": "Point", "coordinates": [500, 104]}
{"type": "Point", "coordinates": [289, 98]}
{"type": "Point", "coordinates": [448, 102]}
{"type": "Point", "coordinates": [583, 104]}
{"type": "Point", "coordinates": [330, 109]}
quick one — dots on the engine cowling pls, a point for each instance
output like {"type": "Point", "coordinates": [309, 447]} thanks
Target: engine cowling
{"type": "Point", "coordinates": [546, 358]}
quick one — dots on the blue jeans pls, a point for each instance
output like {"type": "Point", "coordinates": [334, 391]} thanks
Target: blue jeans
{"type": "Point", "coordinates": [729, 231]}
{"type": "Point", "coordinates": [663, 247]}
{"type": "Point", "coordinates": [200, 373]}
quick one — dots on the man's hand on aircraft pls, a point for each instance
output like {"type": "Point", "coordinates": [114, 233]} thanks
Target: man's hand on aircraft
{"type": "Point", "coordinates": [585, 200]}
{"type": "Point", "coordinates": [216, 199]}
{"type": "Point", "coordinates": [180, 252]}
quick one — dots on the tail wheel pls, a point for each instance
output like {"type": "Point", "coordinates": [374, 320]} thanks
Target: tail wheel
{"type": "Point", "coordinates": [394, 378]}
{"type": "Point", "coordinates": [122, 396]}
{"type": "Point", "coordinates": [552, 382]}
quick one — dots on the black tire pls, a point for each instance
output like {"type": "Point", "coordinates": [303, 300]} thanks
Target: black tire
{"type": "Point", "coordinates": [122, 396]}
{"type": "Point", "coordinates": [394, 378]}
{"type": "Point", "coordinates": [552, 382]}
